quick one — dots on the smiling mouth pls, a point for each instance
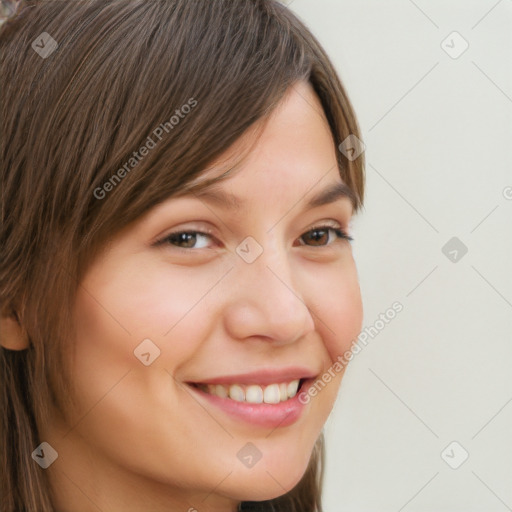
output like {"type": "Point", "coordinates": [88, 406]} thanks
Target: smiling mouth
{"type": "Point", "coordinates": [253, 393]}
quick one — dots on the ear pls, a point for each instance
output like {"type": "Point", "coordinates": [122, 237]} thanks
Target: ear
{"type": "Point", "coordinates": [12, 334]}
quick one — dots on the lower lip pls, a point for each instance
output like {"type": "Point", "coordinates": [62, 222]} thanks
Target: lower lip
{"type": "Point", "coordinates": [282, 414]}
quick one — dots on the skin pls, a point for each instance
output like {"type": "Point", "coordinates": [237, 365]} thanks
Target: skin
{"type": "Point", "coordinates": [139, 440]}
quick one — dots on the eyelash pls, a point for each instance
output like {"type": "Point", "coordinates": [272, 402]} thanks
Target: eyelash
{"type": "Point", "coordinates": [339, 232]}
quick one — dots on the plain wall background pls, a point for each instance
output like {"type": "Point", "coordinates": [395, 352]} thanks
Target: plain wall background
{"type": "Point", "coordinates": [438, 135]}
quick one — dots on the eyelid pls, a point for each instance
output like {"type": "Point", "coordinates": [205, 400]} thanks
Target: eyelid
{"type": "Point", "coordinates": [206, 231]}
{"type": "Point", "coordinates": [324, 223]}
{"type": "Point", "coordinates": [333, 225]}
{"type": "Point", "coordinates": [186, 229]}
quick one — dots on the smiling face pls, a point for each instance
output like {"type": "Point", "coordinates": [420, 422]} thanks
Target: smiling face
{"type": "Point", "coordinates": [236, 300]}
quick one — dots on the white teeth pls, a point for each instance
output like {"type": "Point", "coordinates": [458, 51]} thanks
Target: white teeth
{"type": "Point", "coordinates": [221, 391]}
{"type": "Point", "coordinates": [292, 388]}
{"type": "Point", "coordinates": [254, 394]}
{"type": "Point", "coordinates": [283, 391]}
{"type": "Point", "coordinates": [236, 393]}
{"type": "Point", "coordinates": [271, 394]}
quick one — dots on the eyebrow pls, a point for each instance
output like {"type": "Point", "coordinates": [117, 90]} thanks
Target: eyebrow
{"type": "Point", "coordinates": [328, 195]}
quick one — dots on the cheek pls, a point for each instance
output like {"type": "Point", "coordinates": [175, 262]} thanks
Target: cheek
{"type": "Point", "coordinates": [337, 297]}
{"type": "Point", "coordinates": [126, 305]}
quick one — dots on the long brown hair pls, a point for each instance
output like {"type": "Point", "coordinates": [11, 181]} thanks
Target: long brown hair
{"type": "Point", "coordinates": [73, 117]}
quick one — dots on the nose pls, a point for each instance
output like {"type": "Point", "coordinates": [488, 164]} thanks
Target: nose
{"type": "Point", "coordinates": [267, 301]}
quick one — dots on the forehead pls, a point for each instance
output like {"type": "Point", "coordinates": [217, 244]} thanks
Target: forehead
{"type": "Point", "coordinates": [283, 155]}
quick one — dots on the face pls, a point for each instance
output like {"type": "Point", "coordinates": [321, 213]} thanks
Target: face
{"type": "Point", "coordinates": [199, 321]}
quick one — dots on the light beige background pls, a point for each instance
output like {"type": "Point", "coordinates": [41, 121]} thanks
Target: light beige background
{"type": "Point", "coordinates": [438, 132]}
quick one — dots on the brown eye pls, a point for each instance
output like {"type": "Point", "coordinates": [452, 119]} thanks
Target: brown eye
{"type": "Point", "coordinates": [320, 236]}
{"type": "Point", "coordinates": [317, 236]}
{"type": "Point", "coordinates": [187, 239]}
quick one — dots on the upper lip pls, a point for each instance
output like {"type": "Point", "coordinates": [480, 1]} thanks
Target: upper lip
{"type": "Point", "coordinates": [263, 376]}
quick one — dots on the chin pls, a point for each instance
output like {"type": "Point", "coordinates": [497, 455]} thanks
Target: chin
{"type": "Point", "coordinates": [268, 481]}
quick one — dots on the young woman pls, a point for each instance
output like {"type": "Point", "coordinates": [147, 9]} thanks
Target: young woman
{"type": "Point", "coordinates": [176, 271]}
